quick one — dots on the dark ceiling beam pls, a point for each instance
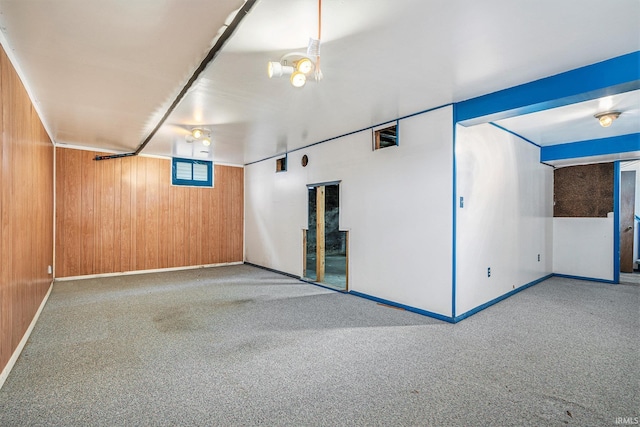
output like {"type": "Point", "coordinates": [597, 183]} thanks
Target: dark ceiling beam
{"type": "Point", "coordinates": [217, 47]}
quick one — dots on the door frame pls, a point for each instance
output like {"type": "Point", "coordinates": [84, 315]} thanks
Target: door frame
{"type": "Point", "coordinates": [304, 238]}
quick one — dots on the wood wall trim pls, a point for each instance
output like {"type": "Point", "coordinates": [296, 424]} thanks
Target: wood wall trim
{"type": "Point", "coordinates": [124, 215]}
{"type": "Point", "coordinates": [26, 211]}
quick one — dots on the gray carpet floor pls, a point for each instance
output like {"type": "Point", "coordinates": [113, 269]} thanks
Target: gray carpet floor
{"type": "Point", "coordinates": [241, 346]}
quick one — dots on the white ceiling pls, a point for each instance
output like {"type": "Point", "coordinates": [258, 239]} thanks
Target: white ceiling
{"type": "Point", "coordinates": [103, 72]}
{"type": "Point", "coordinates": [576, 122]}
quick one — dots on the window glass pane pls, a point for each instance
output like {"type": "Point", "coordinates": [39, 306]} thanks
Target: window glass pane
{"type": "Point", "coordinates": [183, 171]}
{"type": "Point", "coordinates": [200, 172]}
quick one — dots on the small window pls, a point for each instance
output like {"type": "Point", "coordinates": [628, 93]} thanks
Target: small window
{"type": "Point", "coordinates": [385, 136]}
{"type": "Point", "coordinates": [281, 164]}
{"type": "Point", "coordinates": [198, 173]}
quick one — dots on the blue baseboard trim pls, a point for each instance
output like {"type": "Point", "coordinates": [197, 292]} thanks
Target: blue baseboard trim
{"type": "Point", "coordinates": [431, 314]}
{"type": "Point", "coordinates": [404, 307]}
{"type": "Point", "coordinates": [588, 279]}
{"type": "Point", "coordinates": [500, 298]}
{"type": "Point", "coordinates": [293, 276]}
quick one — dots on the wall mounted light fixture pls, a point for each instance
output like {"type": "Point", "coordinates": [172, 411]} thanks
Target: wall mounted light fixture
{"type": "Point", "coordinates": [607, 118]}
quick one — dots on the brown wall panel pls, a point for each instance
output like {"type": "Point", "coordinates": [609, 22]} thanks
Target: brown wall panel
{"type": "Point", "coordinates": [26, 210]}
{"type": "Point", "coordinates": [125, 215]}
{"type": "Point", "coordinates": [583, 191]}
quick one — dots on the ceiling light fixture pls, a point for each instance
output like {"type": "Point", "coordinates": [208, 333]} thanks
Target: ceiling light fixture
{"type": "Point", "coordinates": [200, 134]}
{"type": "Point", "coordinates": [607, 118]}
{"type": "Point", "coordinates": [300, 66]}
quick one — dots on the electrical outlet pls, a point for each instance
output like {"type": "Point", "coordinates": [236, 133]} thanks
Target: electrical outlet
{"type": "Point", "coordinates": [461, 202]}
{"type": "Point", "coordinates": [488, 271]}
{"type": "Point", "coordinates": [538, 257]}
{"type": "Point", "coordinates": [49, 269]}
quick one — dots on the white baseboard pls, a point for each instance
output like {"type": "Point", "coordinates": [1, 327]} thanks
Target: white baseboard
{"type": "Point", "coordinates": [157, 270]}
{"type": "Point", "coordinates": [14, 357]}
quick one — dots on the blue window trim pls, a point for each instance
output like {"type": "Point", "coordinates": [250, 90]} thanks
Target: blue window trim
{"type": "Point", "coordinates": [190, 182]}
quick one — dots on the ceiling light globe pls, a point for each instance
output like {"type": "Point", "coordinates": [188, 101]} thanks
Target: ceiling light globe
{"type": "Point", "coordinates": [197, 133]}
{"type": "Point", "coordinates": [304, 65]}
{"type": "Point", "coordinates": [206, 142]}
{"type": "Point", "coordinates": [298, 79]}
{"type": "Point", "coordinates": [605, 121]}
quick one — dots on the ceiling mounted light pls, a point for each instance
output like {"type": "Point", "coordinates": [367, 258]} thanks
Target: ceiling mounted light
{"type": "Point", "coordinates": [276, 69]}
{"type": "Point", "coordinates": [607, 118]}
{"type": "Point", "coordinates": [298, 79]}
{"type": "Point", "coordinates": [299, 66]}
{"type": "Point", "coordinates": [199, 134]}
{"type": "Point", "coordinates": [302, 66]}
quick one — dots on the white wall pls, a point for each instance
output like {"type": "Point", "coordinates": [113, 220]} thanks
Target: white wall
{"type": "Point", "coordinates": [507, 216]}
{"type": "Point", "coordinates": [583, 247]}
{"type": "Point", "coordinates": [396, 203]}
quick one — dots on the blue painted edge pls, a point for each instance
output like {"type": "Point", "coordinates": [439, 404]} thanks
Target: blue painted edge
{"type": "Point", "coordinates": [588, 279]}
{"type": "Point", "coordinates": [449, 319]}
{"type": "Point", "coordinates": [637, 218]}
{"type": "Point", "coordinates": [514, 134]}
{"type": "Point", "coordinates": [404, 307]}
{"type": "Point", "coordinates": [616, 221]}
{"type": "Point", "coordinates": [500, 298]}
{"type": "Point", "coordinates": [592, 147]}
{"type": "Point", "coordinates": [454, 230]}
{"type": "Point", "coordinates": [351, 133]}
{"type": "Point", "coordinates": [191, 182]}
{"type": "Point", "coordinates": [608, 77]}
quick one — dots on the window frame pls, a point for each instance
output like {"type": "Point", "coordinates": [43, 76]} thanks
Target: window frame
{"type": "Point", "coordinates": [376, 131]}
{"type": "Point", "coordinates": [281, 164]}
{"type": "Point", "coordinates": [191, 182]}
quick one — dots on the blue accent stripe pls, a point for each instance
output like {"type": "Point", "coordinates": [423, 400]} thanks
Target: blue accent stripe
{"type": "Point", "coordinates": [616, 222]}
{"type": "Point", "coordinates": [592, 147]}
{"type": "Point", "coordinates": [454, 231]}
{"type": "Point", "coordinates": [500, 298]}
{"type": "Point", "coordinates": [637, 218]}
{"type": "Point", "coordinates": [405, 307]}
{"type": "Point", "coordinates": [588, 279]}
{"type": "Point", "coordinates": [609, 77]}
{"type": "Point", "coordinates": [514, 134]}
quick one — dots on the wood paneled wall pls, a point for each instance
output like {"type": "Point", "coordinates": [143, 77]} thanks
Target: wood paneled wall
{"type": "Point", "coordinates": [124, 215]}
{"type": "Point", "coordinates": [26, 210]}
